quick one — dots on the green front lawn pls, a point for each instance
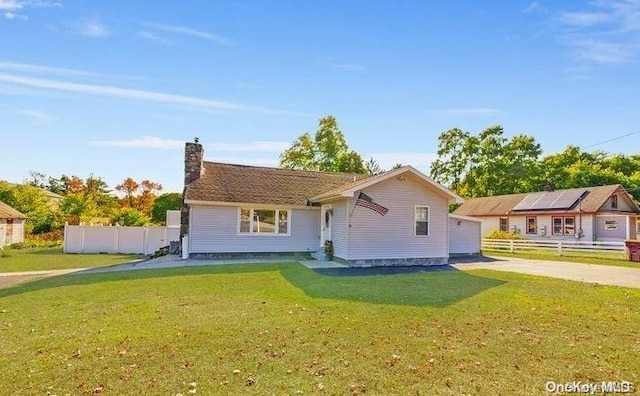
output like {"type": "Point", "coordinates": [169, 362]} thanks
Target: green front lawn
{"type": "Point", "coordinates": [284, 329]}
{"type": "Point", "coordinates": [37, 259]}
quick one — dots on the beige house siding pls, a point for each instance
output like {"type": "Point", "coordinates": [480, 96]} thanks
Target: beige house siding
{"type": "Point", "coordinates": [214, 229]}
{"type": "Point", "coordinates": [11, 233]}
{"type": "Point", "coordinates": [372, 236]}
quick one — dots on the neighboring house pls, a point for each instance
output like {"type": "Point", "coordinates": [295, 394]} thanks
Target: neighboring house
{"type": "Point", "coordinates": [396, 218]}
{"type": "Point", "coordinates": [603, 213]}
{"type": "Point", "coordinates": [11, 225]}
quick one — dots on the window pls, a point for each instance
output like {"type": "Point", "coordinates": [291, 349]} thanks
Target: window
{"type": "Point", "coordinates": [504, 224]}
{"type": "Point", "coordinates": [614, 202]}
{"type": "Point", "coordinates": [564, 225]}
{"type": "Point", "coordinates": [610, 225]}
{"type": "Point", "coordinates": [532, 225]}
{"type": "Point", "coordinates": [569, 226]}
{"type": "Point", "coordinates": [263, 221]}
{"type": "Point", "coordinates": [422, 220]}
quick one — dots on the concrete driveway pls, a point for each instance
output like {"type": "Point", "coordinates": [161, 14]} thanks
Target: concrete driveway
{"type": "Point", "coordinates": [589, 273]}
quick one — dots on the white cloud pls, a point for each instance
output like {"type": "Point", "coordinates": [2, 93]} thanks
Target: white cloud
{"type": "Point", "coordinates": [466, 112]}
{"type": "Point", "coordinates": [584, 18]}
{"type": "Point", "coordinates": [11, 6]}
{"type": "Point", "coordinates": [420, 161]}
{"type": "Point", "coordinates": [38, 116]}
{"type": "Point", "coordinates": [134, 94]}
{"type": "Point", "coordinates": [605, 32]}
{"type": "Point", "coordinates": [188, 32]}
{"type": "Point", "coordinates": [91, 28]}
{"type": "Point", "coordinates": [11, 15]}
{"type": "Point", "coordinates": [534, 7]}
{"type": "Point", "coordinates": [602, 52]}
{"type": "Point", "coordinates": [144, 142]}
{"type": "Point", "coordinates": [153, 37]}
{"type": "Point", "coordinates": [162, 143]}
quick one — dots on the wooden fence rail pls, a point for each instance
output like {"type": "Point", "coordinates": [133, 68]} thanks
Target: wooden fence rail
{"type": "Point", "coordinates": [512, 245]}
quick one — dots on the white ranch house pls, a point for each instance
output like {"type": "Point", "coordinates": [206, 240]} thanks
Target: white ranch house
{"type": "Point", "coordinates": [399, 217]}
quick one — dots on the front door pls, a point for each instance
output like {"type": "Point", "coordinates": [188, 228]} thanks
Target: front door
{"type": "Point", "coordinates": [326, 219]}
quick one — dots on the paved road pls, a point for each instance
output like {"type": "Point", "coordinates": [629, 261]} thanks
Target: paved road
{"type": "Point", "coordinates": [590, 273]}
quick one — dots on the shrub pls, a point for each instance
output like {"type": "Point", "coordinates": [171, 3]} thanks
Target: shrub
{"type": "Point", "coordinates": [18, 246]}
{"type": "Point", "coordinates": [499, 234]}
{"type": "Point", "coordinates": [45, 239]}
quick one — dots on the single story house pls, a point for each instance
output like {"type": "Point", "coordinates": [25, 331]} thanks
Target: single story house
{"type": "Point", "coordinates": [399, 217]}
{"type": "Point", "coordinates": [11, 225]}
{"type": "Point", "coordinates": [602, 213]}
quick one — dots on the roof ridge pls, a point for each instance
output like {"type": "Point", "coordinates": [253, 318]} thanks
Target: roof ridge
{"type": "Point", "coordinates": [287, 169]}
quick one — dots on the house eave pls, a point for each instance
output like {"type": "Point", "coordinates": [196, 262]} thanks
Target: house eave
{"type": "Point", "coordinates": [247, 204]}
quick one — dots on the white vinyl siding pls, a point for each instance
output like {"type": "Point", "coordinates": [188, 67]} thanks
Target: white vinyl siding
{"type": "Point", "coordinates": [464, 236]}
{"type": "Point", "coordinates": [617, 234]}
{"type": "Point", "coordinates": [372, 236]}
{"type": "Point", "coordinates": [339, 228]}
{"type": "Point", "coordinates": [214, 229]}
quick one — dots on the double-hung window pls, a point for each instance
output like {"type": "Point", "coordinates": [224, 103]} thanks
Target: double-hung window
{"type": "Point", "coordinates": [564, 225]}
{"type": "Point", "coordinates": [421, 220]}
{"type": "Point", "coordinates": [264, 221]}
{"type": "Point", "coordinates": [532, 226]}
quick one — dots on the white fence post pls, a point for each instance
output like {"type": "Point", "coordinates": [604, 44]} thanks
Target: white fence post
{"type": "Point", "coordinates": [511, 248]}
{"type": "Point", "coordinates": [185, 247]}
{"type": "Point", "coordinates": [559, 248]}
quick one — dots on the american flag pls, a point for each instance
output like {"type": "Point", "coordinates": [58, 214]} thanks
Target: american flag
{"type": "Point", "coordinates": [366, 202]}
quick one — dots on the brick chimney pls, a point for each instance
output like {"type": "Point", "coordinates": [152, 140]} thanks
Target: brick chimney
{"type": "Point", "coordinates": [193, 170]}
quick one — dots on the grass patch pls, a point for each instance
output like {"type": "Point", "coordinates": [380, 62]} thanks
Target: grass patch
{"type": "Point", "coordinates": [37, 259]}
{"type": "Point", "coordinates": [285, 329]}
{"type": "Point", "coordinates": [604, 258]}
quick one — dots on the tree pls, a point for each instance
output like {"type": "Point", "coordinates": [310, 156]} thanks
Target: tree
{"type": "Point", "coordinates": [129, 217]}
{"type": "Point", "coordinates": [85, 200]}
{"type": "Point", "coordinates": [168, 201]}
{"type": "Point", "coordinates": [31, 201]}
{"type": "Point", "coordinates": [139, 196]}
{"type": "Point", "coordinates": [486, 164]}
{"type": "Point", "coordinates": [372, 167]}
{"type": "Point", "coordinates": [326, 151]}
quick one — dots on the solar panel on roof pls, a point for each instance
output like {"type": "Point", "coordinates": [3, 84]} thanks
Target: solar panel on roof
{"type": "Point", "coordinates": [553, 200]}
{"type": "Point", "coordinates": [547, 199]}
{"type": "Point", "coordinates": [568, 199]}
{"type": "Point", "coordinates": [528, 202]}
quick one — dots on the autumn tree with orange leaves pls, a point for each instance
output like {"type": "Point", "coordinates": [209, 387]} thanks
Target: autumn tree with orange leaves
{"type": "Point", "coordinates": [138, 196]}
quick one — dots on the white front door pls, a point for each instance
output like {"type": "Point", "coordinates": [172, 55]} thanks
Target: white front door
{"type": "Point", "coordinates": [326, 220]}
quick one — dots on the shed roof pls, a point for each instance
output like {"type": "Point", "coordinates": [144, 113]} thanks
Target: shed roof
{"type": "Point", "coordinates": [7, 212]}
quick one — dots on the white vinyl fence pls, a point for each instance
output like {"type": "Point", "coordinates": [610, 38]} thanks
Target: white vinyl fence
{"type": "Point", "coordinates": [145, 240]}
{"type": "Point", "coordinates": [512, 245]}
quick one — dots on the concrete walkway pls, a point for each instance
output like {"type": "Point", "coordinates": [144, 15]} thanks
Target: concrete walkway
{"type": "Point", "coordinates": [172, 261]}
{"type": "Point", "coordinates": [12, 278]}
{"type": "Point", "coordinates": [589, 273]}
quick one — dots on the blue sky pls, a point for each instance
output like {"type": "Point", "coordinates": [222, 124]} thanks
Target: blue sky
{"type": "Point", "coordinates": [114, 88]}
